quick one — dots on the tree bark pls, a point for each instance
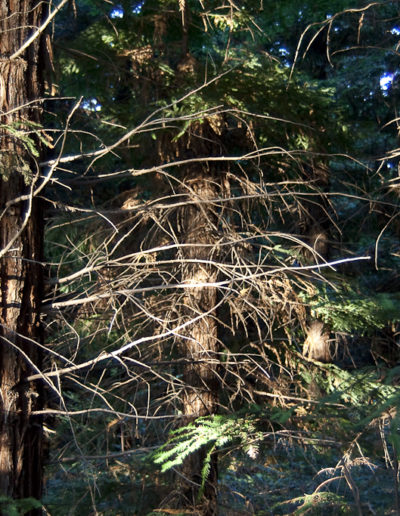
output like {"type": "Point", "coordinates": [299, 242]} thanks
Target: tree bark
{"type": "Point", "coordinates": [200, 346]}
{"type": "Point", "coordinates": [197, 225]}
{"type": "Point", "coordinates": [20, 268]}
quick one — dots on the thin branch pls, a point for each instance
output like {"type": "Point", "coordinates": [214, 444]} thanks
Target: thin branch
{"type": "Point", "coordinates": [39, 31]}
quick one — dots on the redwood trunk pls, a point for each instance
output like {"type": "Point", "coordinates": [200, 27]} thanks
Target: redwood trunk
{"type": "Point", "coordinates": [200, 346]}
{"type": "Point", "coordinates": [20, 268]}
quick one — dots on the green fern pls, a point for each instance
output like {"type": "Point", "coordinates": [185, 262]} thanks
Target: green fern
{"type": "Point", "coordinates": [27, 133]}
{"type": "Point", "coordinates": [348, 311]}
{"type": "Point", "coordinates": [318, 504]}
{"type": "Point", "coordinates": [10, 507]}
{"type": "Point", "coordinates": [206, 432]}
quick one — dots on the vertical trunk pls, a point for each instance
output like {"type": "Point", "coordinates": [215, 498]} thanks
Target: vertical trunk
{"type": "Point", "coordinates": [200, 346]}
{"type": "Point", "coordinates": [21, 245]}
{"type": "Point", "coordinates": [197, 229]}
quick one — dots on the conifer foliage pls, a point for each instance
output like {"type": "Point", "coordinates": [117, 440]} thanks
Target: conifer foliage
{"type": "Point", "coordinates": [221, 251]}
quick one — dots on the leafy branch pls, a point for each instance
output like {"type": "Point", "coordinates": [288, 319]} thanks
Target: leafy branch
{"type": "Point", "coordinates": [212, 433]}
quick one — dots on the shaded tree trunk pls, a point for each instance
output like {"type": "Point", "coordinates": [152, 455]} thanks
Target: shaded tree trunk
{"type": "Point", "coordinates": [21, 235]}
{"type": "Point", "coordinates": [200, 346]}
{"type": "Point", "coordinates": [198, 226]}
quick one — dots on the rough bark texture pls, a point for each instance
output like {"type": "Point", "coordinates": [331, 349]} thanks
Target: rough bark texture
{"type": "Point", "coordinates": [201, 345]}
{"type": "Point", "coordinates": [20, 271]}
{"type": "Point", "coordinates": [198, 226]}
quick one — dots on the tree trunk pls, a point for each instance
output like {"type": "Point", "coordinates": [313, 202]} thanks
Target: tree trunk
{"type": "Point", "coordinates": [21, 235]}
{"type": "Point", "coordinates": [197, 227]}
{"type": "Point", "coordinates": [200, 346]}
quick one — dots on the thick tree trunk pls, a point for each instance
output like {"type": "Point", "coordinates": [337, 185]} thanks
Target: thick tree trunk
{"type": "Point", "coordinates": [200, 346]}
{"type": "Point", "coordinates": [197, 230]}
{"type": "Point", "coordinates": [21, 236]}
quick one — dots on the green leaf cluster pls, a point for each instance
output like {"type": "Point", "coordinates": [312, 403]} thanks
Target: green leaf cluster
{"type": "Point", "coordinates": [10, 507]}
{"type": "Point", "coordinates": [210, 433]}
{"type": "Point", "coordinates": [29, 135]}
{"type": "Point", "coordinates": [347, 310]}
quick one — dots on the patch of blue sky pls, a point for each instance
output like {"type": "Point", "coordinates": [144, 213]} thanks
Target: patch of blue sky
{"type": "Point", "coordinates": [386, 81]}
{"type": "Point", "coordinates": [138, 8]}
{"type": "Point", "coordinates": [117, 12]}
{"type": "Point", "coordinates": [91, 105]}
